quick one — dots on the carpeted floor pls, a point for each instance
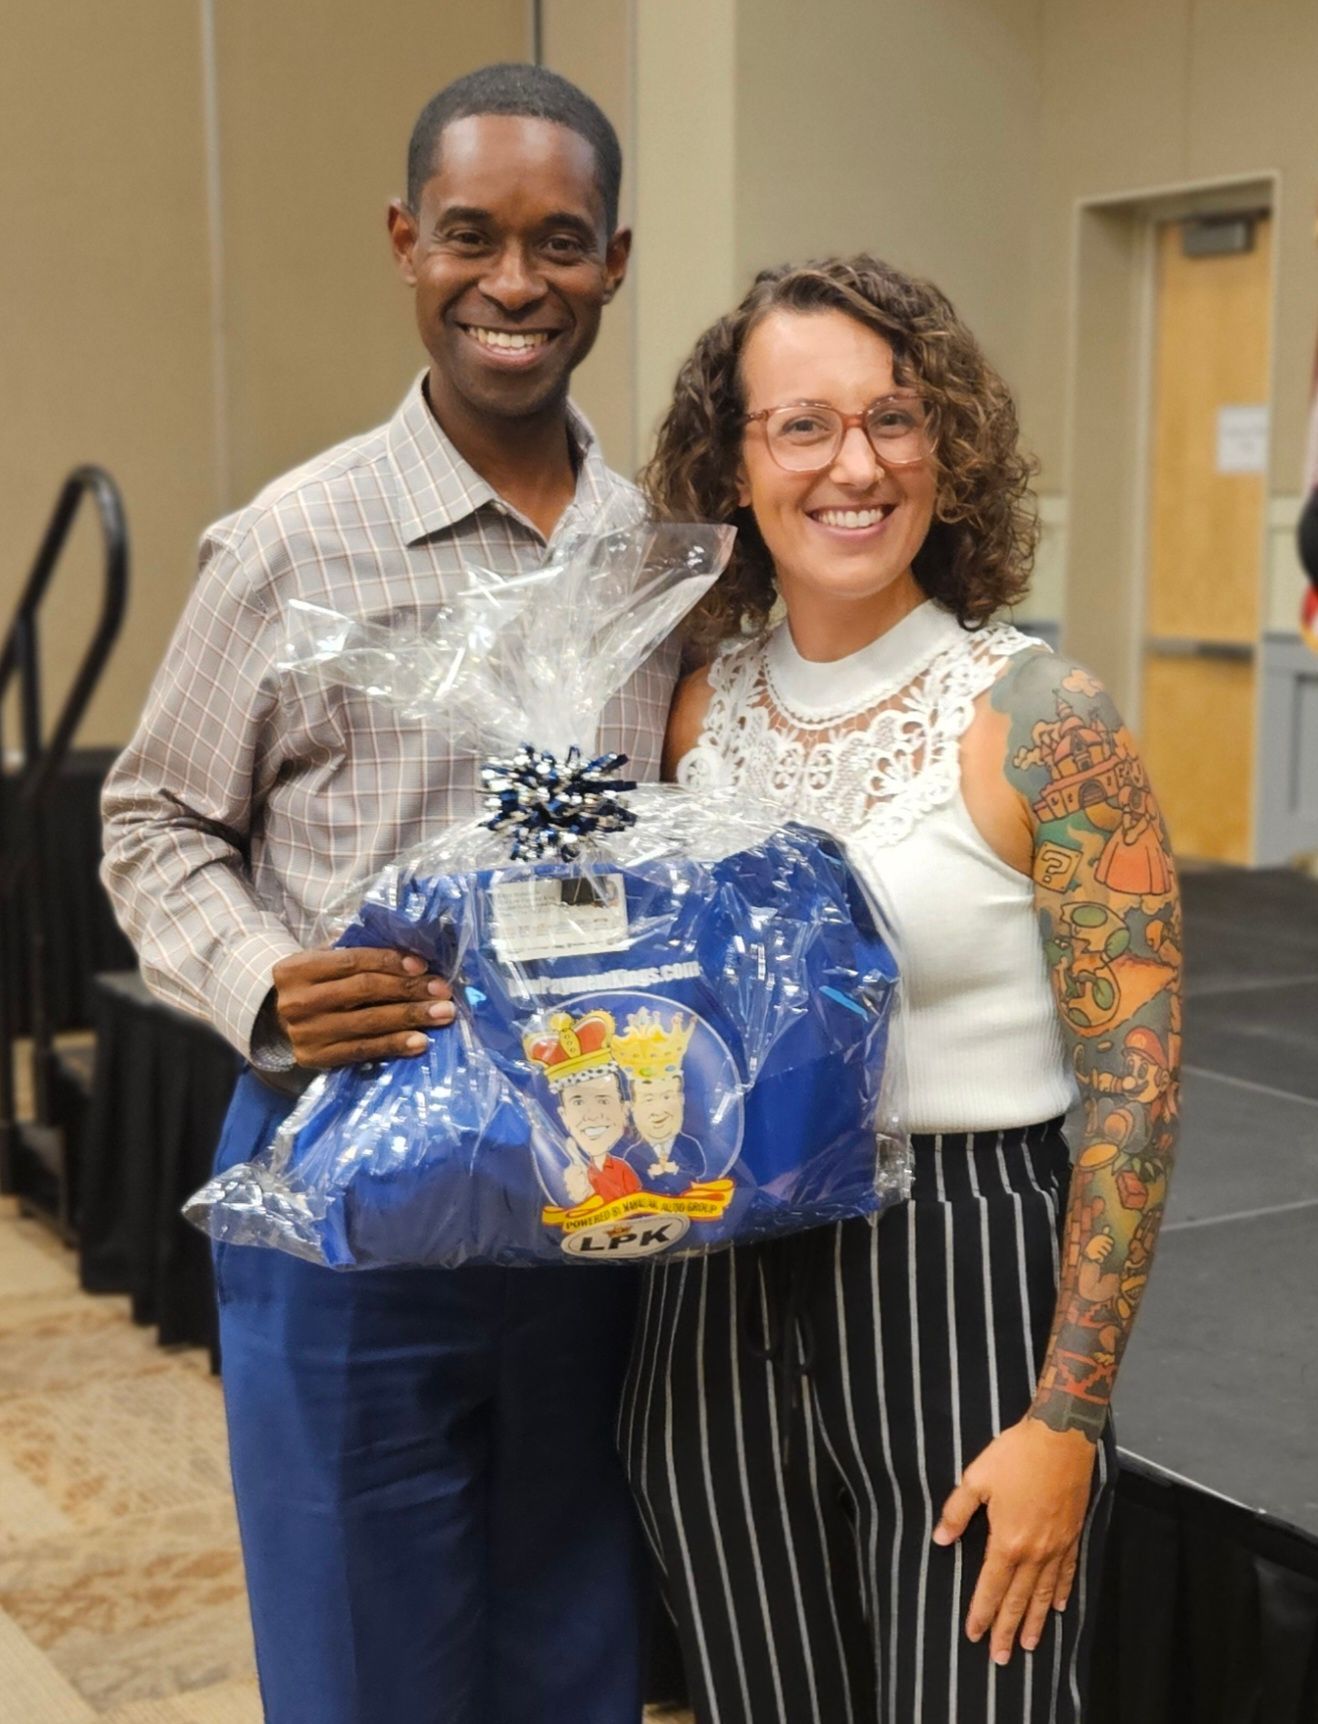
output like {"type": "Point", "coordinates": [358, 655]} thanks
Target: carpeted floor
{"type": "Point", "coordinates": [121, 1591]}
{"type": "Point", "coordinates": [121, 1594]}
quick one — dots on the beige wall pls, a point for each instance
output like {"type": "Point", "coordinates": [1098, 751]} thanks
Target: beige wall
{"type": "Point", "coordinates": [959, 137]}
{"type": "Point", "coordinates": [1138, 100]}
{"type": "Point", "coordinates": [1138, 97]}
{"type": "Point", "coordinates": [955, 137]}
{"type": "Point", "coordinates": [313, 124]}
{"type": "Point", "coordinates": [665, 72]}
{"type": "Point", "coordinates": [688, 93]}
{"type": "Point", "coordinates": [121, 343]}
{"type": "Point", "coordinates": [910, 131]}
{"type": "Point", "coordinates": [593, 43]}
{"type": "Point", "coordinates": [105, 289]}
{"type": "Point", "coordinates": [753, 133]}
{"type": "Point", "coordinates": [1101, 601]}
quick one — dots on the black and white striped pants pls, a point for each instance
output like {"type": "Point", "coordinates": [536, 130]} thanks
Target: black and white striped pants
{"type": "Point", "coordinates": [807, 1590]}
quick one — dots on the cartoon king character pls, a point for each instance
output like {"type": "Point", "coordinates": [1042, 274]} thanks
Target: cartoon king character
{"type": "Point", "coordinates": [577, 1058]}
{"type": "Point", "coordinates": [651, 1053]}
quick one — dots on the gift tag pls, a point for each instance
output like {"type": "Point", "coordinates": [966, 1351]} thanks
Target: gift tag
{"type": "Point", "coordinates": [556, 917]}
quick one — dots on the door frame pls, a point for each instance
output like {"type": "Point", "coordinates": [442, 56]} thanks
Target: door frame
{"type": "Point", "coordinates": [1108, 423]}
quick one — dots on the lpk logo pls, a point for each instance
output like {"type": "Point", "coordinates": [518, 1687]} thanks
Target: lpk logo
{"type": "Point", "coordinates": [641, 1237]}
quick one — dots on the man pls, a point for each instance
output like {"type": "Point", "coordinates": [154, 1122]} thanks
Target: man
{"type": "Point", "coordinates": [594, 1115]}
{"type": "Point", "coordinates": [651, 1053]}
{"type": "Point", "coordinates": [577, 1059]}
{"type": "Point", "coordinates": [410, 1449]}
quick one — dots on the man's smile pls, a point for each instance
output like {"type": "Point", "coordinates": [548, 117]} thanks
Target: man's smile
{"type": "Point", "coordinates": [510, 347]}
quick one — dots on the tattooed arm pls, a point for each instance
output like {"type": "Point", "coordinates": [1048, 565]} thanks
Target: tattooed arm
{"type": "Point", "coordinates": [1080, 815]}
{"type": "Point", "coordinates": [1109, 917]}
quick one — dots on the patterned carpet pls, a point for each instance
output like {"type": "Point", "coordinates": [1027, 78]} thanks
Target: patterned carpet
{"type": "Point", "coordinates": [121, 1592]}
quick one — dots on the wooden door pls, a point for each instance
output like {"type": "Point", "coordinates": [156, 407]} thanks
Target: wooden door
{"type": "Point", "coordinates": [1207, 494]}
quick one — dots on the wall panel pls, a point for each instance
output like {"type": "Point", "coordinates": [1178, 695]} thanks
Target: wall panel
{"type": "Point", "coordinates": [1138, 98]}
{"type": "Point", "coordinates": [316, 105]}
{"type": "Point", "coordinates": [688, 94]}
{"type": "Point", "coordinates": [909, 131]}
{"type": "Point", "coordinates": [954, 137]}
{"type": "Point", "coordinates": [106, 274]}
{"type": "Point", "coordinates": [104, 279]}
{"type": "Point", "coordinates": [1252, 104]}
{"type": "Point", "coordinates": [591, 42]}
{"type": "Point", "coordinates": [1112, 119]}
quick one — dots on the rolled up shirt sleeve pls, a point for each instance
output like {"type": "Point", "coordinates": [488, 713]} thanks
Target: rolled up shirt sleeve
{"type": "Point", "coordinates": [179, 807]}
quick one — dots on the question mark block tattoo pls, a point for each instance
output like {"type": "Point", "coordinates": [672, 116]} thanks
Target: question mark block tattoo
{"type": "Point", "coordinates": [1055, 867]}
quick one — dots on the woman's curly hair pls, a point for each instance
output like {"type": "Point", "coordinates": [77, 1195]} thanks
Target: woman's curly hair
{"type": "Point", "coordinates": [979, 551]}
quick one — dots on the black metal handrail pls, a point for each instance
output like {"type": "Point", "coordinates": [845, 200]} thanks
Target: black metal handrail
{"type": "Point", "coordinates": [40, 760]}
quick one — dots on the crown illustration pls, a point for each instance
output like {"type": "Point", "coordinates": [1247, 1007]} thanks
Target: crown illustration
{"type": "Point", "coordinates": [649, 1049]}
{"type": "Point", "coordinates": [568, 1048]}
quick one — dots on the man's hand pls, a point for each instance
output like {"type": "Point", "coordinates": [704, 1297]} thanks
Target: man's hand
{"type": "Point", "coordinates": [352, 1003]}
{"type": "Point", "coordinates": [1034, 1483]}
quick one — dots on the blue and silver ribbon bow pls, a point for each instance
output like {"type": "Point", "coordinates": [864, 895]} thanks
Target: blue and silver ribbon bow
{"type": "Point", "coordinates": [548, 805]}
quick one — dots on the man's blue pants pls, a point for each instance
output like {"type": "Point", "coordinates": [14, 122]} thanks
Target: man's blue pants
{"type": "Point", "coordinates": [435, 1523]}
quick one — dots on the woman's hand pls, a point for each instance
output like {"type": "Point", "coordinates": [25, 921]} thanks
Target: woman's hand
{"type": "Point", "coordinates": [1034, 1483]}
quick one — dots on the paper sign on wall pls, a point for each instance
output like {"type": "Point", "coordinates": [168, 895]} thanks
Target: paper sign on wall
{"type": "Point", "coordinates": [1242, 439]}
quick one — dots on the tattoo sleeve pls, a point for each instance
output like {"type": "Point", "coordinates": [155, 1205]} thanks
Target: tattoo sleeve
{"type": "Point", "coordinates": [1109, 918]}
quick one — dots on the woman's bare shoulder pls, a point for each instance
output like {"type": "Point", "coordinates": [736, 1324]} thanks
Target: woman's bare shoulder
{"type": "Point", "coordinates": [686, 719]}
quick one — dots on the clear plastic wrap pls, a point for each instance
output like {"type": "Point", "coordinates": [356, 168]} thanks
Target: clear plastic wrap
{"type": "Point", "coordinates": [675, 1012]}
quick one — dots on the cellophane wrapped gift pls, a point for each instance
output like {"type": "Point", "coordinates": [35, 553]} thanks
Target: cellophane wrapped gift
{"type": "Point", "coordinates": [676, 1012]}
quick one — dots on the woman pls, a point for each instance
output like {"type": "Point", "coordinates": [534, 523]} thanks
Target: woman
{"type": "Point", "coordinates": [919, 1537]}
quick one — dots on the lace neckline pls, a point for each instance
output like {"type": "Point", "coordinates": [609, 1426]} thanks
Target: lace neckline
{"type": "Point", "coordinates": [820, 691]}
{"type": "Point", "coordinates": [866, 746]}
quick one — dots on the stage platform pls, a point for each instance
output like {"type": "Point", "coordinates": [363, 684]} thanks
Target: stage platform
{"type": "Point", "coordinates": [1218, 1385]}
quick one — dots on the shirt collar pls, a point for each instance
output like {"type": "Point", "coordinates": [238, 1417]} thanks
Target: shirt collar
{"type": "Point", "coordinates": [438, 488]}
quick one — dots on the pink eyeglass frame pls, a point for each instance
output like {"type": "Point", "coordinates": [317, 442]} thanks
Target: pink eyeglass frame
{"type": "Point", "coordinates": [848, 421]}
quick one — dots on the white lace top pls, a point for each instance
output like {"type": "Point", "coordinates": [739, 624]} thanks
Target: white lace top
{"type": "Point", "coordinates": [869, 747]}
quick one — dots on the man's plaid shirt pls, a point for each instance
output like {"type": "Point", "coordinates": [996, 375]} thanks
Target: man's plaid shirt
{"type": "Point", "coordinates": [243, 806]}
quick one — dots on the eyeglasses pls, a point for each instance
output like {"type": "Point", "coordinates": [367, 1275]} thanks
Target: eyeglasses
{"type": "Point", "coordinates": [805, 436]}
